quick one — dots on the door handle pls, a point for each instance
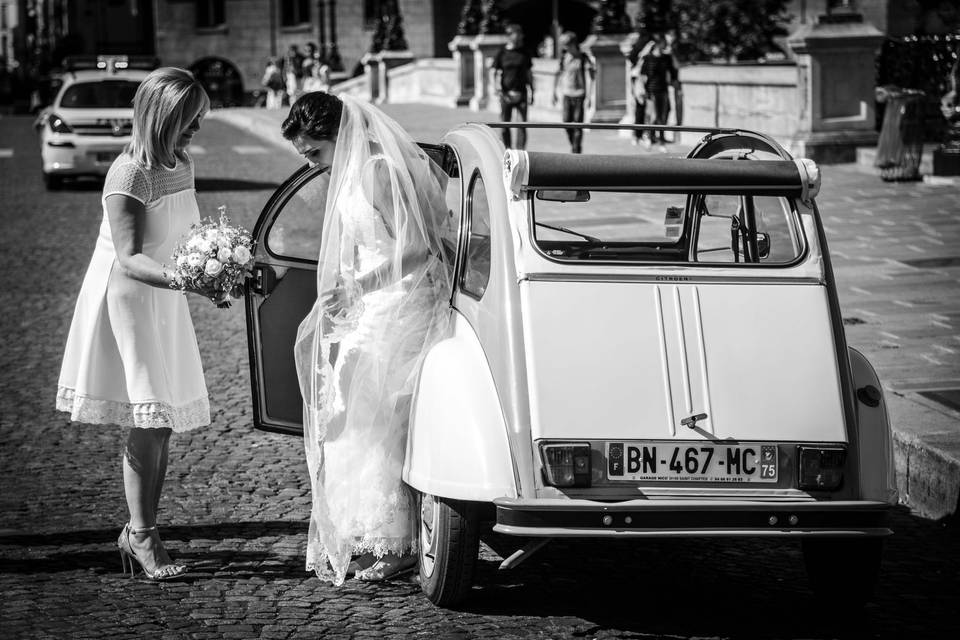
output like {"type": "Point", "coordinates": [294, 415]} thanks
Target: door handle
{"type": "Point", "coordinates": [264, 279]}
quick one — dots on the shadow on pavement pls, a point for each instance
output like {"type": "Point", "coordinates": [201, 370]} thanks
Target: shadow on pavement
{"type": "Point", "coordinates": [744, 588]}
{"type": "Point", "coordinates": [209, 532]}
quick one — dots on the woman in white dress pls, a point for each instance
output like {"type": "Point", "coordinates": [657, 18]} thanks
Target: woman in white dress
{"type": "Point", "coordinates": [131, 358]}
{"type": "Point", "coordinates": [383, 293]}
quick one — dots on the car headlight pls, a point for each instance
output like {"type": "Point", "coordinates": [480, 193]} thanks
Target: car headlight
{"type": "Point", "coordinates": [58, 124]}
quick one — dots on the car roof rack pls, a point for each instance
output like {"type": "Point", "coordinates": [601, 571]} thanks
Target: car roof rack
{"type": "Point", "coordinates": [716, 140]}
{"type": "Point", "coordinates": [110, 63]}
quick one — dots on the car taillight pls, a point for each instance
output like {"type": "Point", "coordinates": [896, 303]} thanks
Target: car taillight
{"type": "Point", "coordinates": [821, 468]}
{"type": "Point", "coordinates": [58, 124]}
{"type": "Point", "coordinates": [566, 465]}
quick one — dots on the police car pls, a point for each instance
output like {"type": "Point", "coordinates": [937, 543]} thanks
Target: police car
{"type": "Point", "coordinates": [89, 122]}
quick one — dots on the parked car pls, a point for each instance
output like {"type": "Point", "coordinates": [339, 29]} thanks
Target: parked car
{"type": "Point", "coordinates": [89, 121]}
{"type": "Point", "coordinates": [641, 346]}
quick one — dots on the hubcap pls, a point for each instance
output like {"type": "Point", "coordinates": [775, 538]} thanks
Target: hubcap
{"type": "Point", "coordinates": [429, 519]}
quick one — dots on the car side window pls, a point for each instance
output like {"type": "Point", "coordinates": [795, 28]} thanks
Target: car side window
{"type": "Point", "coordinates": [721, 214]}
{"type": "Point", "coordinates": [476, 269]}
{"type": "Point", "coordinates": [295, 232]}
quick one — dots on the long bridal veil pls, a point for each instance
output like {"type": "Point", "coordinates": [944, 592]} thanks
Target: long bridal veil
{"type": "Point", "coordinates": [358, 352]}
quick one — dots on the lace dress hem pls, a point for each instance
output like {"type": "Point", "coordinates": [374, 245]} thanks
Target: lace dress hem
{"type": "Point", "coordinates": [141, 415]}
{"type": "Point", "coordinates": [317, 559]}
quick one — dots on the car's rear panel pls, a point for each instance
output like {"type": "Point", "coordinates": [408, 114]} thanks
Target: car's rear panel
{"type": "Point", "coordinates": [631, 360]}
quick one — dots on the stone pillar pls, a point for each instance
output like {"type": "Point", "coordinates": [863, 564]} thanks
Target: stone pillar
{"type": "Point", "coordinates": [835, 65]}
{"type": "Point", "coordinates": [376, 67]}
{"type": "Point", "coordinates": [371, 71]}
{"type": "Point", "coordinates": [484, 47]}
{"type": "Point", "coordinates": [626, 48]}
{"type": "Point", "coordinates": [610, 86]}
{"type": "Point", "coordinates": [389, 60]}
{"type": "Point", "coordinates": [463, 57]}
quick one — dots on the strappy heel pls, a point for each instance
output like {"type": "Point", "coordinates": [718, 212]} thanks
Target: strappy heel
{"type": "Point", "coordinates": [387, 568]}
{"type": "Point", "coordinates": [128, 557]}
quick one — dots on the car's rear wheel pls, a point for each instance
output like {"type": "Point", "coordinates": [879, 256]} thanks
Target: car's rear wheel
{"type": "Point", "coordinates": [843, 572]}
{"type": "Point", "coordinates": [449, 544]}
{"type": "Point", "coordinates": [52, 182]}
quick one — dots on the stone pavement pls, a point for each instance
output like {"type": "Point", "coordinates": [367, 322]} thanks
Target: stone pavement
{"type": "Point", "coordinates": [896, 254]}
{"type": "Point", "coordinates": [236, 502]}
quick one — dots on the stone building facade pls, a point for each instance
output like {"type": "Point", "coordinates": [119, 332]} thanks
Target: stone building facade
{"type": "Point", "coordinates": [239, 35]}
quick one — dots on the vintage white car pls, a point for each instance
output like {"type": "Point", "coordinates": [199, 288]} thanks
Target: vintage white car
{"type": "Point", "coordinates": [641, 346]}
{"type": "Point", "coordinates": [89, 122]}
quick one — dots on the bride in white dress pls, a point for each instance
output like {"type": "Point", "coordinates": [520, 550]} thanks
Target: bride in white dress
{"type": "Point", "coordinates": [383, 294]}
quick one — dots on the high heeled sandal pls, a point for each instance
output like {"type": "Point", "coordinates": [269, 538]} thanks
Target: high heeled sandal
{"type": "Point", "coordinates": [128, 557]}
{"type": "Point", "coordinates": [384, 569]}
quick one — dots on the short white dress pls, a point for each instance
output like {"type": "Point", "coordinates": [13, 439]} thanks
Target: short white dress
{"type": "Point", "coordinates": [131, 357]}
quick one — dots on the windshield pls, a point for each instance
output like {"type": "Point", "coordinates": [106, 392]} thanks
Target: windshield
{"type": "Point", "coordinates": [103, 94]}
{"type": "Point", "coordinates": [677, 228]}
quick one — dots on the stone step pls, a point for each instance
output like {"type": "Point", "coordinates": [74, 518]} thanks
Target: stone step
{"type": "Point", "coordinates": [867, 155]}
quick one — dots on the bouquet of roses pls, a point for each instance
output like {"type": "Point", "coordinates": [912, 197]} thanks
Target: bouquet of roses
{"type": "Point", "coordinates": [213, 257]}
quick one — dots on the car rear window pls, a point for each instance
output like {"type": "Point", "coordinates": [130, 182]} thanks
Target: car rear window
{"type": "Point", "coordinates": [103, 94]}
{"type": "Point", "coordinates": [679, 228]}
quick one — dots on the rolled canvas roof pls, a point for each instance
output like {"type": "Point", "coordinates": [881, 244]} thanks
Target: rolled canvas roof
{"type": "Point", "coordinates": [657, 174]}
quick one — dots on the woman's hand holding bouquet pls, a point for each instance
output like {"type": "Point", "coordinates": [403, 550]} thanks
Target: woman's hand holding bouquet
{"type": "Point", "coordinates": [213, 260]}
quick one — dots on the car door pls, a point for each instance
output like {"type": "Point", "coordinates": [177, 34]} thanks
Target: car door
{"type": "Point", "coordinates": [283, 287]}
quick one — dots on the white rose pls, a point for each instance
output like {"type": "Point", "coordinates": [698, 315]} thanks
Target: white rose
{"type": "Point", "coordinates": [241, 255]}
{"type": "Point", "coordinates": [210, 234]}
{"type": "Point", "coordinates": [182, 261]}
{"type": "Point", "coordinates": [194, 242]}
{"type": "Point", "coordinates": [224, 254]}
{"type": "Point", "coordinates": [195, 259]}
{"type": "Point", "coordinates": [205, 245]}
{"type": "Point", "coordinates": [213, 267]}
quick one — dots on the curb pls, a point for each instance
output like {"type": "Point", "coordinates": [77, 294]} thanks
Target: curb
{"type": "Point", "coordinates": [928, 477]}
{"type": "Point", "coordinates": [927, 466]}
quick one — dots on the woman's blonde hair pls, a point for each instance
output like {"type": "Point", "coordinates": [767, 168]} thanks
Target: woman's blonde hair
{"type": "Point", "coordinates": [165, 104]}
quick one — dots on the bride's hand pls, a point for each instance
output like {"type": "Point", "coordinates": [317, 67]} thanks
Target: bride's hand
{"type": "Point", "coordinates": [335, 300]}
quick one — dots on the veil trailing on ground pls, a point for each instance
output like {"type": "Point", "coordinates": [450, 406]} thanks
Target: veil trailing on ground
{"type": "Point", "coordinates": [383, 292]}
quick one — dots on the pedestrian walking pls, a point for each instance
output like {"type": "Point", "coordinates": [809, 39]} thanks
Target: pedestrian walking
{"type": "Point", "coordinates": [657, 73]}
{"type": "Point", "coordinates": [316, 72]}
{"type": "Point", "coordinates": [382, 303]}
{"type": "Point", "coordinates": [514, 83]}
{"type": "Point", "coordinates": [573, 83]}
{"type": "Point", "coordinates": [293, 72]}
{"type": "Point", "coordinates": [131, 358]}
{"type": "Point", "coordinates": [274, 84]}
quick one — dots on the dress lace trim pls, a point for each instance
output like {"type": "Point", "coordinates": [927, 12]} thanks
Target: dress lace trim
{"type": "Point", "coordinates": [142, 415]}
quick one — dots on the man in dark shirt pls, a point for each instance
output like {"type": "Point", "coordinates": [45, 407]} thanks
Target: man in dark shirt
{"type": "Point", "coordinates": [514, 82]}
{"type": "Point", "coordinates": [657, 73]}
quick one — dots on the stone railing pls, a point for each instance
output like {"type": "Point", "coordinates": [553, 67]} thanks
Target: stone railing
{"type": "Point", "coordinates": [819, 107]}
{"type": "Point", "coordinates": [760, 97]}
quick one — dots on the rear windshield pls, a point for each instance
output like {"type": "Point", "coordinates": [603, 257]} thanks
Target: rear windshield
{"type": "Point", "coordinates": [103, 94]}
{"type": "Point", "coordinates": [666, 227]}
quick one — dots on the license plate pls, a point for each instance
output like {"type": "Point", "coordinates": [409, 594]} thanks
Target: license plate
{"type": "Point", "coordinates": [105, 156]}
{"type": "Point", "coordinates": [693, 462]}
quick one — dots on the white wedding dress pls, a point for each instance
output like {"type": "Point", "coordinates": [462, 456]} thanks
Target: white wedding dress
{"type": "Point", "coordinates": [358, 365]}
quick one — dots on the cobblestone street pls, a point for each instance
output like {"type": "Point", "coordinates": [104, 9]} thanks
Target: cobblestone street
{"type": "Point", "coordinates": [236, 502]}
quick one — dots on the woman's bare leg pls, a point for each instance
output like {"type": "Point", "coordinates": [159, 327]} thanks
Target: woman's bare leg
{"type": "Point", "coordinates": [143, 458]}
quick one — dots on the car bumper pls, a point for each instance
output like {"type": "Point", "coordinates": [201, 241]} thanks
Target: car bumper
{"type": "Point", "coordinates": [558, 518]}
{"type": "Point", "coordinates": [90, 156]}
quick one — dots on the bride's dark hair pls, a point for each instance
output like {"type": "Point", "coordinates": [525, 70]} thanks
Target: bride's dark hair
{"type": "Point", "coordinates": [315, 115]}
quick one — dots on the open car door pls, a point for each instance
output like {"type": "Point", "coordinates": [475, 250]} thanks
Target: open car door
{"type": "Point", "coordinates": [284, 285]}
{"type": "Point", "coordinates": [280, 294]}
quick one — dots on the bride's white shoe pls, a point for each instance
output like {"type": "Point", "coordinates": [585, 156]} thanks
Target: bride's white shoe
{"type": "Point", "coordinates": [389, 566]}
